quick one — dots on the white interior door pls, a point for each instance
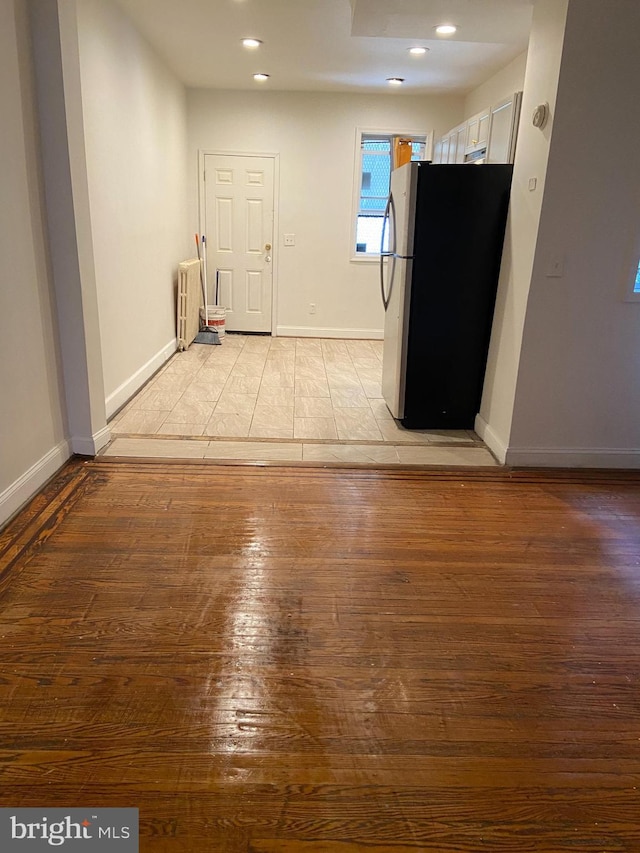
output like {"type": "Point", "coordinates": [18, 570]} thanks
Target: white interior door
{"type": "Point", "coordinates": [239, 230]}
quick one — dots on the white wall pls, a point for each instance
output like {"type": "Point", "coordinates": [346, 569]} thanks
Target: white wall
{"type": "Point", "coordinates": [540, 85]}
{"type": "Point", "coordinates": [54, 34]}
{"type": "Point", "coordinates": [578, 392]}
{"type": "Point", "coordinates": [314, 134]}
{"type": "Point", "coordinates": [505, 82]}
{"type": "Point", "coordinates": [32, 425]}
{"type": "Point", "coordinates": [135, 129]}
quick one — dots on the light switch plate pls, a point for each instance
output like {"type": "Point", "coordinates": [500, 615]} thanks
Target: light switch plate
{"type": "Point", "coordinates": [555, 267]}
{"type": "Point", "coordinates": [289, 239]}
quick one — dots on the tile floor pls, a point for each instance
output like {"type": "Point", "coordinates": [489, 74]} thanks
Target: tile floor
{"type": "Point", "coordinates": [303, 399]}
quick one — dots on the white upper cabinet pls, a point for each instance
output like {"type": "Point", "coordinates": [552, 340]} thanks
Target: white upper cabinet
{"type": "Point", "coordinates": [444, 156]}
{"type": "Point", "coordinates": [478, 131]}
{"type": "Point", "coordinates": [461, 134]}
{"type": "Point", "coordinates": [453, 147]}
{"type": "Point", "coordinates": [457, 139]}
{"type": "Point", "coordinates": [505, 118]}
{"type": "Point", "coordinates": [494, 129]}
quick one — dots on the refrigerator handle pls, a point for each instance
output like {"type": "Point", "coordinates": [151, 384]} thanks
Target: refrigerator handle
{"type": "Point", "coordinates": [385, 219]}
{"type": "Point", "coordinates": [389, 210]}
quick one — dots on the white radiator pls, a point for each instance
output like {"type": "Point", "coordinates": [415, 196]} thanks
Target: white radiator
{"type": "Point", "coordinates": [189, 298]}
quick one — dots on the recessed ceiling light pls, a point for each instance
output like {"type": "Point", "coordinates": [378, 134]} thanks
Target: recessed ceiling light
{"type": "Point", "coordinates": [260, 76]}
{"type": "Point", "coordinates": [418, 51]}
{"type": "Point", "coordinates": [251, 42]}
{"type": "Point", "coordinates": [446, 29]}
{"type": "Point", "coordinates": [395, 81]}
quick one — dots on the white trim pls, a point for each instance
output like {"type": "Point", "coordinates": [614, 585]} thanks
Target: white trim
{"type": "Point", "coordinates": [130, 386]}
{"type": "Point", "coordinates": [275, 224]}
{"type": "Point", "coordinates": [570, 457]}
{"type": "Point", "coordinates": [491, 439]}
{"type": "Point", "coordinates": [91, 446]}
{"type": "Point", "coordinates": [317, 332]}
{"type": "Point", "coordinates": [26, 486]}
{"type": "Point", "coordinates": [555, 457]}
{"type": "Point", "coordinates": [428, 146]}
{"type": "Point", "coordinates": [227, 152]}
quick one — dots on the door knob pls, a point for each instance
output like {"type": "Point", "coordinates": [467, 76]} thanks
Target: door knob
{"type": "Point", "coordinates": [267, 247]}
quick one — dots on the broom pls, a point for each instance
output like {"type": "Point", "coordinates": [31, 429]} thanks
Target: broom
{"type": "Point", "coordinates": [206, 335]}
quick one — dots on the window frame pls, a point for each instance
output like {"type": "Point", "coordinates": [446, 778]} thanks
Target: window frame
{"type": "Point", "coordinates": [370, 257]}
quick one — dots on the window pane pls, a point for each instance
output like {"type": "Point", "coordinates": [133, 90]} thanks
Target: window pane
{"type": "Point", "coordinates": [636, 287]}
{"type": "Point", "coordinates": [417, 150]}
{"type": "Point", "coordinates": [376, 171]}
{"type": "Point", "coordinates": [368, 234]}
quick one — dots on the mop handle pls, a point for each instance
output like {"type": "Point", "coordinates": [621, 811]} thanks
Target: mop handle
{"type": "Point", "coordinates": [206, 303]}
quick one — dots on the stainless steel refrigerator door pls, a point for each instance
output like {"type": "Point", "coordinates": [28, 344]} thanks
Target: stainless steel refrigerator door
{"type": "Point", "coordinates": [396, 330]}
{"type": "Point", "coordinates": [404, 182]}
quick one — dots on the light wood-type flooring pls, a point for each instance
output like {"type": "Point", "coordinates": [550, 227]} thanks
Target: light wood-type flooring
{"type": "Point", "coordinates": [286, 399]}
{"type": "Point", "coordinates": [299, 660]}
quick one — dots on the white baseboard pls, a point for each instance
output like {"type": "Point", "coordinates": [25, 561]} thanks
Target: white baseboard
{"type": "Point", "coordinates": [570, 457]}
{"type": "Point", "coordinates": [555, 457]}
{"type": "Point", "coordinates": [26, 486]}
{"type": "Point", "coordinates": [491, 439]}
{"type": "Point", "coordinates": [317, 332]}
{"type": "Point", "coordinates": [133, 384]}
{"type": "Point", "coordinates": [90, 446]}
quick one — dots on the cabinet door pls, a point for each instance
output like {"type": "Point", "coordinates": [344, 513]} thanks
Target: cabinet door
{"type": "Point", "coordinates": [461, 137]}
{"type": "Point", "coordinates": [505, 117]}
{"type": "Point", "coordinates": [445, 150]}
{"type": "Point", "coordinates": [483, 128]}
{"type": "Point", "coordinates": [472, 134]}
{"type": "Point", "coordinates": [478, 131]}
{"type": "Point", "coordinates": [453, 147]}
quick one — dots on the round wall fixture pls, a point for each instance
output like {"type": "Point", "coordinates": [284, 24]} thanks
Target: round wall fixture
{"type": "Point", "coordinates": [540, 115]}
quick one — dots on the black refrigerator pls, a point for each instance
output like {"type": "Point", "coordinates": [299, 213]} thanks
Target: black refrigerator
{"type": "Point", "coordinates": [445, 228]}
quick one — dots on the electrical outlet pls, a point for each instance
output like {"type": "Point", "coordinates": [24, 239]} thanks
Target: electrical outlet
{"type": "Point", "coordinates": [312, 308]}
{"type": "Point", "coordinates": [289, 239]}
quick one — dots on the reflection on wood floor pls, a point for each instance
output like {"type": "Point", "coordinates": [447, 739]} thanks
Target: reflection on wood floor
{"type": "Point", "coordinates": [325, 661]}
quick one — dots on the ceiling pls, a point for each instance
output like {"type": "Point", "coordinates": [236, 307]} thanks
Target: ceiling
{"type": "Point", "coordinates": [334, 45]}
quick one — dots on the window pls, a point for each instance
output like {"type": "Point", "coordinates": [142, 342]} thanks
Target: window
{"type": "Point", "coordinates": [374, 175]}
{"type": "Point", "coordinates": [636, 286]}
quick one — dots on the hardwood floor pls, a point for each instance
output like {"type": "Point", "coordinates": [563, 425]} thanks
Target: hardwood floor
{"type": "Point", "coordinates": [323, 661]}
